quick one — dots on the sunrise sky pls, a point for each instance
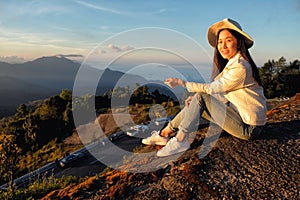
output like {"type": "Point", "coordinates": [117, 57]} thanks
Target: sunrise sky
{"type": "Point", "coordinates": [31, 29]}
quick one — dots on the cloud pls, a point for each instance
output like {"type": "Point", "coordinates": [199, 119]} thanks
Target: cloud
{"type": "Point", "coordinates": [43, 8]}
{"type": "Point", "coordinates": [111, 48]}
{"type": "Point", "coordinates": [28, 39]}
{"type": "Point", "coordinates": [101, 51]}
{"type": "Point", "coordinates": [119, 12]}
{"type": "Point", "coordinates": [101, 8]}
{"type": "Point", "coordinates": [34, 8]}
{"type": "Point", "coordinates": [70, 55]}
{"type": "Point", "coordinates": [126, 48]}
{"type": "Point", "coordinates": [154, 12]}
{"type": "Point", "coordinates": [115, 48]}
{"type": "Point", "coordinates": [12, 59]}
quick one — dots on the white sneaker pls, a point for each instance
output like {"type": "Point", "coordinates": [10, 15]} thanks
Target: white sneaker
{"type": "Point", "coordinates": [173, 147]}
{"type": "Point", "coordinates": [155, 139]}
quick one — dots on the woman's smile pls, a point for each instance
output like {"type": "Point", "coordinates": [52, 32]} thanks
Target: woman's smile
{"type": "Point", "coordinates": [227, 44]}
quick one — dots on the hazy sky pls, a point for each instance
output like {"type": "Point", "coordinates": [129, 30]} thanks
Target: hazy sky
{"type": "Point", "coordinates": [30, 29]}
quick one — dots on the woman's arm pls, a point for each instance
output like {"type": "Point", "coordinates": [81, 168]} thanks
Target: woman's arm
{"type": "Point", "coordinates": [232, 78]}
{"type": "Point", "coordinates": [174, 82]}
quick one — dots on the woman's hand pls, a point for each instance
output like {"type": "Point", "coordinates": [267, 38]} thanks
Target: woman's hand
{"type": "Point", "coordinates": [188, 100]}
{"type": "Point", "coordinates": [173, 82]}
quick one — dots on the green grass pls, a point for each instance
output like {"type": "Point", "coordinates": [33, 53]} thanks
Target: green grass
{"type": "Point", "coordinates": [39, 188]}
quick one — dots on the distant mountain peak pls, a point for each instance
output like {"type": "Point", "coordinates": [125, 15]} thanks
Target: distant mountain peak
{"type": "Point", "coordinates": [51, 59]}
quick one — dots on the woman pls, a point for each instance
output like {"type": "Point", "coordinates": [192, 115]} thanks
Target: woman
{"type": "Point", "coordinates": [236, 87]}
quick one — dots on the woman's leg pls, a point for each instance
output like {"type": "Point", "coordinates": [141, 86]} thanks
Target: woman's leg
{"type": "Point", "coordinates": [173, 125]}
{"type": "Point", "coordinates": [190, 118]}
{"type": "Point", "coordinates": [162, 137]}
{"type": "Point", "coordinates": [217, 112]}
{"type": "Point", "coordinates": [186, 118]}
{"type": "Point", "coordinates": [208, 107]}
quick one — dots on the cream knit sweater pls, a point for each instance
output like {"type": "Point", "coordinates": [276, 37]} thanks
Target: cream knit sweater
{"type": "Point", "coordinates": [238, 86]}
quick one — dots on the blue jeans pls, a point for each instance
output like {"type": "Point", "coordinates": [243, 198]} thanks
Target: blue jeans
{"type": "Point", "coordinates": [204, 106]}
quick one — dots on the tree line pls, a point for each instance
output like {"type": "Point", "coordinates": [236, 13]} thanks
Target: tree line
{"type": "Point", "coordinates": [280, 78]}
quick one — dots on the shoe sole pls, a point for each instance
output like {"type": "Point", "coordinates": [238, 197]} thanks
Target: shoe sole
{"type": "Point", "coordinates": [157, 154]}
{"type": "Point", "coordinates": [156, 143]}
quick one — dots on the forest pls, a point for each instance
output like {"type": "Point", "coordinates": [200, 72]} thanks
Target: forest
{"type": "Point", "coordinates": [34, 135]}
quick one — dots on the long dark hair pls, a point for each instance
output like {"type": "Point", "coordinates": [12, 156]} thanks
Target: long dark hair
{"type": "Point", "coordinates": [220, 62]}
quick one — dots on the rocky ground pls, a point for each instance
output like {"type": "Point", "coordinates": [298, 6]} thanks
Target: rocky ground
{"type": "Point", "coordinates": [265, 168]}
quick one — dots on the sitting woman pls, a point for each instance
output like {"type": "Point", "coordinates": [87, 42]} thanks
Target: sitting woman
{"type": "Point", "coordinates": [236, 87]}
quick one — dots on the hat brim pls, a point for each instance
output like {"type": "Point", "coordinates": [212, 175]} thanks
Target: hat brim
{"type": "Point", "coordinates": [213, 31]}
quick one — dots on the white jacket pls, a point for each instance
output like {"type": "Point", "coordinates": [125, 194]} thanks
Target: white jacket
{"type": "Point", "coordinates": [238, 86]}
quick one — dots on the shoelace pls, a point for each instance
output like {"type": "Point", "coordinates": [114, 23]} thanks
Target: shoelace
{"type": "Point", "coordinates": [170, 142]}
{"type": "Point", "coordinates": [154, 132]}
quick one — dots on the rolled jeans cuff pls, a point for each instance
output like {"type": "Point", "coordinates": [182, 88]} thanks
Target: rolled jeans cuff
{"type": "Point", "coordinates": [173, 128]}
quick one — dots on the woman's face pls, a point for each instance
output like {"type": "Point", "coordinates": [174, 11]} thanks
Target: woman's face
{"type": "Point", "coordinates": [227, 44]}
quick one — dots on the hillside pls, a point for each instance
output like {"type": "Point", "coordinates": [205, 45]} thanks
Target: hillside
{"type": "Point", "coordinates": [266, 168]}
{"type": "Point", "coordinates": [15, 91]}
{"type": "Point", "coordinates": [47, 76]}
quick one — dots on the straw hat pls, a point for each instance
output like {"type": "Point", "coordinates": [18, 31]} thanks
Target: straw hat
{"type": "Point", "coordinates": [226, 24]}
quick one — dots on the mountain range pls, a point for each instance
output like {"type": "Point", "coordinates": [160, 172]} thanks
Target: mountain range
{"type": "Point", "coordinates": [47, 76]}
